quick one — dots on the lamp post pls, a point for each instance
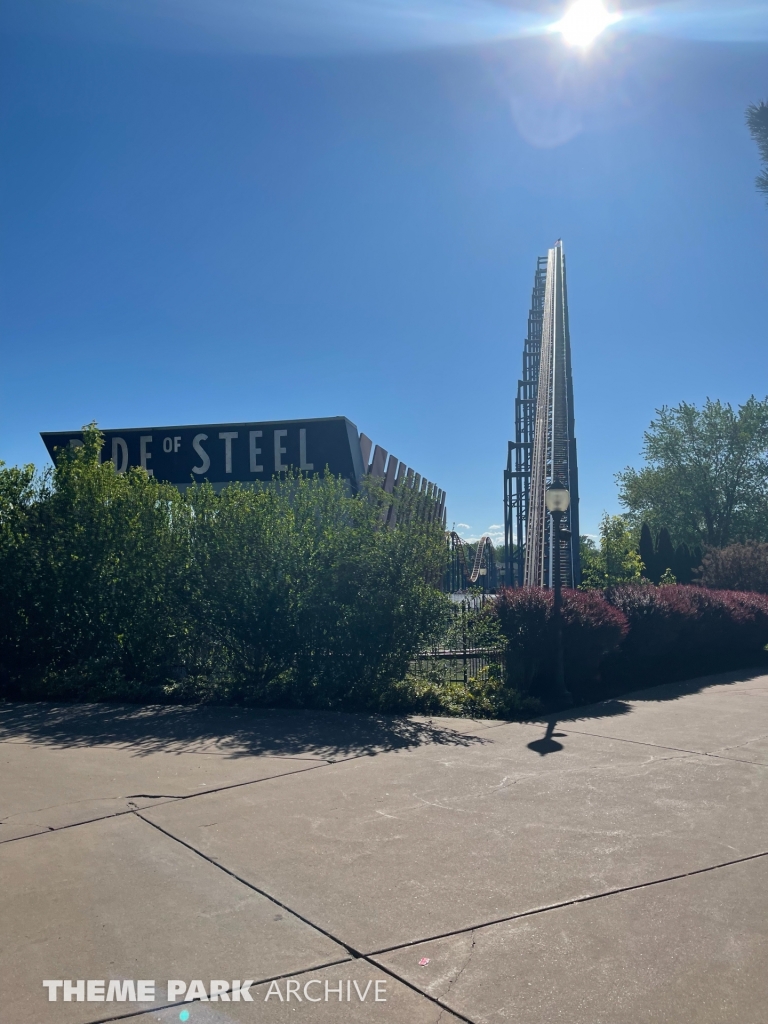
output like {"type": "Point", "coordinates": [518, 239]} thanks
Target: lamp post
{"type": "Point", "coordinates": [558, 498]}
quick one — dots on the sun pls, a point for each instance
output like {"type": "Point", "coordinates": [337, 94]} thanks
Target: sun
{"type": "Point", "coordinates": [584, 21]}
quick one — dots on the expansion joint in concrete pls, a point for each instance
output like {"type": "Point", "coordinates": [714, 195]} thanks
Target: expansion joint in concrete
{"type": "Point", "coordinates": [354, 953]}
{"type": "Point", "coordinates": [568, 903]}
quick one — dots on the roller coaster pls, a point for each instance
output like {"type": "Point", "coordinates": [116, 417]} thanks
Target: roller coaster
{"type": "Point", "coordinates": [544, 449]}
{"type": "Point", "coordinates": [483, 573]}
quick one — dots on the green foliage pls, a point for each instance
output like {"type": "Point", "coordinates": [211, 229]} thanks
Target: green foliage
{"type": "Point", "coordinates": [681, 563]}
{"type": "Point", "coordinates": [706, 478]}
{"type": "Point", "coordinates": [436, 683]}
{"type": "Point", "coordinates": [121, 587]}
{"type": "Point", "coordinates": [665, 552]}
{"type": "Point", "coordinates": [687, 563]}
{"type": "Point", "coordinates": [647, 551]}
{"type": "Point", "coordinates": [473, 627]}
{"type": "Point", "coordinates": [757, 122]}
{"type": "Point", "coordinates": [89, 576]}
{"type": "Point", "coordinates": [615, 561]}
{"type": "Point", "coordinates": [485, 695]}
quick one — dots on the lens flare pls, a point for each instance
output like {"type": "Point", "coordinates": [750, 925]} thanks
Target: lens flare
{"type": "Point", "coordinates": [584, 21]}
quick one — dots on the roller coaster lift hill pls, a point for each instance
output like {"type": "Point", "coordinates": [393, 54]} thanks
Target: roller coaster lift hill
{"type": "Point", "coordinates": [544, 450]}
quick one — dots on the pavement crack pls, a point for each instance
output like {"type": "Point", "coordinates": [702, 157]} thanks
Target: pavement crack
{"type": "Point", "coordinates": [738, 746]}
{"type": "Point", "coordinates": [154, 796]}
{"type": "Point", "coordinates": [641, 743]}
{"type": "Point", "coordinates": [148, 796]}
{"type": "Point", "coordinates": [420, 991]}
{"type": "Point", "coordinates": [45, 829]}
{"type": "Point", "coordinates": [197, 1002]}
{"type": "Point", "coordinates": [737, 760]}
{"type": "Point", "coordinates": [452, 982]}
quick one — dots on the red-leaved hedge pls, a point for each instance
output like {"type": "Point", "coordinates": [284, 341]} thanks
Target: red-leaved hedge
{"type": "Point", "coordinates": [591, 628]}
{"type": "Point", "coordinates": [628, 633]}
{"type": "Point", "coordinates": [678, 623]}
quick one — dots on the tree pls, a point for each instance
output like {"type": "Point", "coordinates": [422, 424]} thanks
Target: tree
{"type": "Point", "coordinates": [616, 561]}
{"type": "Point", "coordinates": [682, 566]}
{"type": "Point", "coordinates": [662, 557]}
{"type": "Point", "coordinates": [757, 122]}
{"type": "Point", "coordinates": [737, 567]}
{"type": "Point", "coordinates": [665, 551]}
{"type": "Point", "coordinates": [647, 552]}
{"type": "Point", "coordinates": [589, 556]}
{"type": "Point", "coordinates": [706, 478]}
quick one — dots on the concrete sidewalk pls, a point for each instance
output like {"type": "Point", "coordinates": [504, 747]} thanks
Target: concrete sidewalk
{"type": "Point", "coordinates": [607, 868]}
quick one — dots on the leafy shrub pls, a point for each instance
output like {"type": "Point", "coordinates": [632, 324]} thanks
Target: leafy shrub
{"type": "Point", "coordinates": [737, 567]}
{"type": "Point", "coordinates": [485, 695]}
{"type": "Point", "coordinates": [294, 593]}
{"type": "Point", "coordinates": [591, 628]}
{"type": "Point", "coordinates": [679, 626]}
{"type": "Point", "coordinates": [121, 587]}
{"type": "Point", "coordinates": [615, 561]}
{"type": "Point", "coordinates": [632, 633]}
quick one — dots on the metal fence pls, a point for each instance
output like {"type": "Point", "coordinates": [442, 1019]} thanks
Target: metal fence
{"type": "Point", "coordinates": [461, 656]}
{"type": "Point", "coordinates": [459, 666]}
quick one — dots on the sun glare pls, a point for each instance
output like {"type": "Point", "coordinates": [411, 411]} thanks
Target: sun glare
{"type": "Point", "coordinates": [584, 21]}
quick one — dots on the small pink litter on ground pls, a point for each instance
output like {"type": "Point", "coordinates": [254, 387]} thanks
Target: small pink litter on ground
{"type": "Point", "coordinates": [424, 961]}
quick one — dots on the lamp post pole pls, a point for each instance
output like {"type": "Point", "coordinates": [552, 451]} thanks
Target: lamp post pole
{"type": "Point", "coordinates": [557, 499]}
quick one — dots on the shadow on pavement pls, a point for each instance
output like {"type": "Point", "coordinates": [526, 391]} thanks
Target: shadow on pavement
{"type": "Point", "coordinates": [239, 732]}
{"type": "Point", "coordinates": [230, 731]}
{"type": "Point", "coordinates": [547, 744]}
{"type": "Point", "coordinates": [609, 708]}
{"type": "Point", "coordinates": [663, 692]}
{"type": "Point", "coordinates": [685, 687]}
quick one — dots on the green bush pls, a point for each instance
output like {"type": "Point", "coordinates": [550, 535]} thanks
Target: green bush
{"type": "Point", "coordinates": [485, 695]}
{"type": "Point", "coordinates": [121, 587]}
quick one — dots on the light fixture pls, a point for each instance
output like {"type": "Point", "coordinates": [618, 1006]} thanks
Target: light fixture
{"type": "Point", "coordinates": [557, 497]}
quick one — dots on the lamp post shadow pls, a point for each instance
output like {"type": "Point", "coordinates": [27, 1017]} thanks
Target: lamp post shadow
{"type": "Point", "coordinates": [547, 745]}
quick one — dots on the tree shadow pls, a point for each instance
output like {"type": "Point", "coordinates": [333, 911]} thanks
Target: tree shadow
{"type": "Point", "coordinates": [228, 731]}
{"type": "Point", "coordinates": [327, 735]}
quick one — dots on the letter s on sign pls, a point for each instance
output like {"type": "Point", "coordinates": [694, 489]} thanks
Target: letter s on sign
{"type": "Point", "coordinates": [205, 461]}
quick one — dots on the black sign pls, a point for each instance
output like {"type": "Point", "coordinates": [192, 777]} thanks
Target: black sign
{"type": "Point", "coordinates": [223, 452]}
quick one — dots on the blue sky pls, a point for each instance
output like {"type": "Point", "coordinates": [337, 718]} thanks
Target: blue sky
{"type": "Point", "coordinates": [250, 210]}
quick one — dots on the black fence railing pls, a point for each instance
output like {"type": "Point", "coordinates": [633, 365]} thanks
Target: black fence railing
{"type": "Point", "coordinates": [463, 653]}
{"type": "Point", "coordinates": [460, 666]}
